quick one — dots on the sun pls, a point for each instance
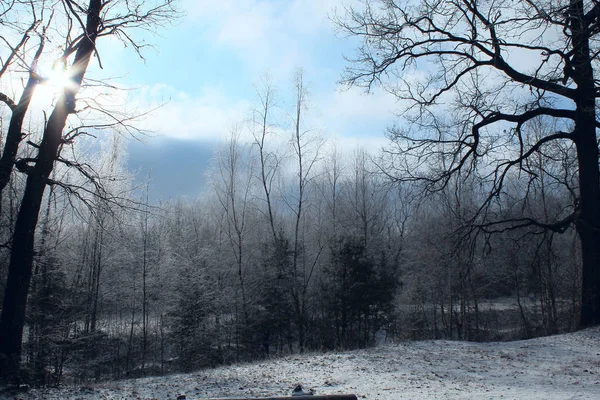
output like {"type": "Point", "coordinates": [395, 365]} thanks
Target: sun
{"type": "Point", "coordinates": [54, 81]}
{"type": "Point", "coordinates": [59, 79]}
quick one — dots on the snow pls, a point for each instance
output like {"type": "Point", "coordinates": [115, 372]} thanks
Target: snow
{"type": "Point", "coordinates": [557, 367]}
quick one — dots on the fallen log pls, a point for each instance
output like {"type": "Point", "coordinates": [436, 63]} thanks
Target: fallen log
{"type": "Point", "coordinates": [308, 397]}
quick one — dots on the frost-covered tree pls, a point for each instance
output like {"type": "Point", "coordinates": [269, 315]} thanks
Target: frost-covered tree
{"type": "Point", "coordinates": [470, 75]}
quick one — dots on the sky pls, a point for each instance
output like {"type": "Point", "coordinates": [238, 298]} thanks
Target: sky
{"type": "Point", "coordinates": [203, 69]}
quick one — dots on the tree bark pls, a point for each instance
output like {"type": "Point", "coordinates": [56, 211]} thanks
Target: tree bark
{"type": "Point", "coordinates": [588, 224]}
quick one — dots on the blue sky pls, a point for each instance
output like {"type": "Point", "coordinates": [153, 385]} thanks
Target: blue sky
{"type": "Point", "coordinates": [204, 67]}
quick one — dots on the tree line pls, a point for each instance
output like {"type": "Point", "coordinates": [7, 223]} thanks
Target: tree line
{"type": "Point", "coordinates": [295, 245]}
{"type": "Point", "coordinates": [477, 222]}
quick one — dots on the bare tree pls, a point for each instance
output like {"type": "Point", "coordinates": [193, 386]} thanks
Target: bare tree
{"type": "Point", "coordinates": [306, 150]}
{"type": "Point", "coordinates": [269, 160]}
{"type": "Point", "coordinates": [233, 187]}
{"type": "Point", "coordinates": [471, 75]}
{"type": "Point", "coordinates": [368, 199]}
{"type": "Point", "coordinates": [80, 25]}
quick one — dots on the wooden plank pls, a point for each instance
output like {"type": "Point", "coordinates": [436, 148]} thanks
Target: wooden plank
{"type": "Point", "coordinates": [323, 397]}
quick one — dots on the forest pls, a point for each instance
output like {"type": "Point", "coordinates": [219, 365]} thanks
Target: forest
{"type": "Point", "coordinates": [478, 221]}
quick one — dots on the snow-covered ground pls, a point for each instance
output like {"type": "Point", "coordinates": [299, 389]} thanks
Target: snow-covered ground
{"type": "Point", "coordinates": [557, 367]}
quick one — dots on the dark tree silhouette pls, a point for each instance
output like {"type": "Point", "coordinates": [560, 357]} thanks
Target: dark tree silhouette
{"type": "Point", "coordinates": [471, 75]}
{"type": "Point", "coordinates": [23, 32]}
{"type": "Point", "coordinates": [84, 23]}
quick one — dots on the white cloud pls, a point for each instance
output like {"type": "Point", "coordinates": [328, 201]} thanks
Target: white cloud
{"type": "Point", "coordinates": [353, 115]}
{"type": "Point", "coordinates": [207, 116]}
{"type": "Point", "coordinates": [351, 118]}
{"type": "Point", "coordinates": [266, 35]}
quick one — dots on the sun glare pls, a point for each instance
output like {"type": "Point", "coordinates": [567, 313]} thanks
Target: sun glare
{"type": "Point", "coordinates": [59, 79]}
{"type": "Point", "coordinates": [55, 80]}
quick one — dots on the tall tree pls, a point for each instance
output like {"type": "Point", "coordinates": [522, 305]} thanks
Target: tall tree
{"type": "Point", "coordinates": [260, 128]}
{"type": "Point", "coordinates": [471, 75]}
{"type": "Point", "coordinates": [79, 26]}
{"type": "Point", "coordinates": [306, 151]}
{"type": "Point", "coordinates": [233, 186]}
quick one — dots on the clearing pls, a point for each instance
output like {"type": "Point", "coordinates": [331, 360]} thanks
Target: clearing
{"type": "Point", "coordinates": [557, 367]}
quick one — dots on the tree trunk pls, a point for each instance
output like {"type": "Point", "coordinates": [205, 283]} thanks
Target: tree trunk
{"type": "Point", "coordinates": [129, 360]}
{"type": "Point", "coordinates": [14, 136]}
{"type": "Point", "coordinates": [19, 276]}
{"type": "Point", "coordinates": [588, 224]}
{"type": "Point", "coordinates": [21, 257]}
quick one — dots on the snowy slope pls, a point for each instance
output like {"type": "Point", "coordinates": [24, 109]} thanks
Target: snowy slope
{"type": "Point", "coordinates": [557, 367]}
